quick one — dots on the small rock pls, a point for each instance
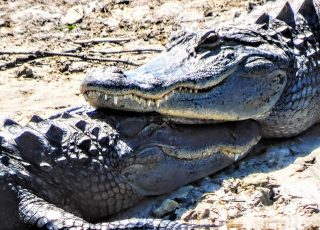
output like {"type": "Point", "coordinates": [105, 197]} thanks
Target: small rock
{"type": "Point", "coordinates": [111, 24]}
{"type": "Point", "coordinates": [169, 10]}
{"type": "Point", "coordinates": [189, 215]}
{"type": "Point", "coordinates": [263, 196]}
{"type": "Point", "coordinates": [74, 15]}
{"type": "Point", "coordinates": [25, 72]}
{"type": "Point", "coordinates": [190, 15]}
{"type": "Point", "coordinates": [233, 213]}
{"type": "Point", "coordinates": [138, 14]}
{"type": "Point", "coordinates": [208, 13]}
{"type": "Point", "coordinates": [257, 180]}
{"type": "Point", "coordinates": [205, 213]}
{"type": "Point", "coordinates": [4, 23]}
{"type": "Point", "coordinates": [237, 14]}
{"type": "Point", "coordinates": [182, 192]}
{"type": "Point", "coordinates": [299, 167]}
{"type": "Point", "coordinates": [166, 207]}
{"type": "Point", "coordinates": [78, 67]}
{"type": "Point", "coordinates": [20, 29]}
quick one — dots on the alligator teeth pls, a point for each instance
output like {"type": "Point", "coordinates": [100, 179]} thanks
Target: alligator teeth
{"type": "Point", "coordinates": [196, 91]}
{"type": "Point", "coordinates": [105, 97]}
{"type": "Point", "coordinates": [237, 156]}
{"type": "Point", "coordinates": [149, 103]}
{"type": "Point", "coordinates": [166, 97]}
{"type": "Point", "coordinates": [158, 103]}
{"type": "Point", "coordinates": [115, 100]}
{"type": "Point", "coordinates": [85, 96]}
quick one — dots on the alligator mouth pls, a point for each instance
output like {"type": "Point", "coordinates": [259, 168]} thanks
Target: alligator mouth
{"type": "Point", "coordinates": [140, 97]}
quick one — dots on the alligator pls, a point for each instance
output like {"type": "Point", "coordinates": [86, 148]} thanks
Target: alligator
{"type": "Point", "coordinates": [198, 107]}
{"type": "Point", "coordinates": [267, 71]}
{"type": "Point", "coordinates": [86, 164]}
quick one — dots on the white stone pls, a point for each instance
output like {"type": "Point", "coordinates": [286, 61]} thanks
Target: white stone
{"type": "Point", "coordinates": [74, 15]}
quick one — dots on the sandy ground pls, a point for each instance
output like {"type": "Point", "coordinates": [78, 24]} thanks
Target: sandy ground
{"type": "Point", "coordinates": [251, 199]}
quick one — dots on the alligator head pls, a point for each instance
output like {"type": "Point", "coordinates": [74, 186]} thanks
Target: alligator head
{"type": "Point", "coordinates": [166, 156]}
{"type": "Point", "coordinates": [222, 75]}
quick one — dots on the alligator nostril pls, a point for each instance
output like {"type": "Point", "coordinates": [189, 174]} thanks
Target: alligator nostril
{"type": "Point", "coordinates": [5, 160]}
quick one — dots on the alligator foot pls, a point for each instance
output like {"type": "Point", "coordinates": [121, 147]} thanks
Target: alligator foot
{"type": "Point", "coordinates": [36, 212]}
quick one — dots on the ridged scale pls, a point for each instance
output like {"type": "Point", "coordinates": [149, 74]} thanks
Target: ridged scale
{"type": "Point", "coordinates": [296, 33]}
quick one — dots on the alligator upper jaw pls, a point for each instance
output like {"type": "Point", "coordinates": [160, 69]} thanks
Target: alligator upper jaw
{"type": "Point", "coordinates": [146, 102]}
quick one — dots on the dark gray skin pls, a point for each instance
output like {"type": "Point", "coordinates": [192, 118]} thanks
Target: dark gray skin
{"type": "Point", "coordinates": [78, 167]}
{"type": "Point", "coordinates": [267, 71]}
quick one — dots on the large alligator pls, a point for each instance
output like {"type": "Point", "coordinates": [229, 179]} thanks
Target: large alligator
{"type": "Point", "coordinates": [232, 85]}
{"type": "Point", "coordinates": [267, 71]}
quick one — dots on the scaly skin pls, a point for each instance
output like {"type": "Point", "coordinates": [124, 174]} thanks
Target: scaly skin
{"type": "Point", "coordinates": [75, 168]}
{"type": "Point", "coordinates": [268, 71]}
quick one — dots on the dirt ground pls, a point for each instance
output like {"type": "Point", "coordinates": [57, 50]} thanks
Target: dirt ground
{"type": "Point", "coordinates": [45, 86]}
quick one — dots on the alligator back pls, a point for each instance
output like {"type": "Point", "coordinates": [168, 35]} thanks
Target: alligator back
{"type": "Point", "coordinates": [296, 29]}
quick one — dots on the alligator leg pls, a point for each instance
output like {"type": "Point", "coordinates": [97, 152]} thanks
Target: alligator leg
{"type": "Point", "coordinates": [37, 212]}
{"type": "Point", "coordinates": [9, 218]}
{"type": "Point", "coordinates": [9, 202]}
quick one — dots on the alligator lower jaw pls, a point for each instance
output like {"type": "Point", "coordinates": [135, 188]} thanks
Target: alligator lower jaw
{"type": "Point", "coordinates": [134, 103]}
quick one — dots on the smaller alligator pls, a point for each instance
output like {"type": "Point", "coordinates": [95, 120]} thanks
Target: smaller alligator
{"type": "Point", "coordinates": [73, 169]}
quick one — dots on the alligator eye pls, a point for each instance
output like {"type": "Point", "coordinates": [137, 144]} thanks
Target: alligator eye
{"type": "Point", "coordinates": [258, 67]}
{"type": "Point", "coordinates": [208, 41]}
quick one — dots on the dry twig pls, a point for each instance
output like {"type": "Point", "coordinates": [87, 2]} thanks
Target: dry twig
{"type": "Point", "coordinates": [101, 40]}
{"type": "Point", "coordinates": [32, 55]}
{"type": "Point", "coordinates": [138, 50]}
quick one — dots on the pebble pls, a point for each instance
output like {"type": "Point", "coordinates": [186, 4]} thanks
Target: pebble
{"type": "Point", "coordinates": [169, 10]}
{"type": "Point", "coordinates": [111, 24]}
{"type": "Point", "coordinates": [78, 67]}
{"type": "Point", "coordinates": [166, 207]}
{"type": "Point", "coordinates": [25, 72]}
{"type": "Point", "coordinates": [4, 23]}
{"type": "Point", "coordinates": [74, 15]}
